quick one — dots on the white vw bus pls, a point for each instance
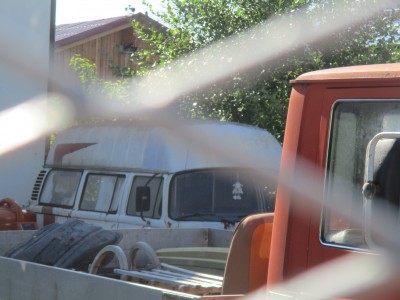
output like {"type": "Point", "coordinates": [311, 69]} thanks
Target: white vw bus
{"type": "Point", "coordinates": [128, 176]}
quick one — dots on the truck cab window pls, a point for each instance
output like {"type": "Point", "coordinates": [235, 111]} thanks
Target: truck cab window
{"type": "Point", "coordinates": [60, 188]}
{"type": "Point", "coordinates": [215, 195]}
{"type": "Point", "coordinates": [152, 209]}
{"type": "Point", "coordinates": [353, 164]}
{"type": "Point", "coordinates": [101, 193]}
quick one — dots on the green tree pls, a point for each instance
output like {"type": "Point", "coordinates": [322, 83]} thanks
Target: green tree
{"type": "Point", "coordinates": [259, 99]}
{"type": "Point", "coordinates": [96, 88]}
{"type": "Point", "coordinates": [92, 84]}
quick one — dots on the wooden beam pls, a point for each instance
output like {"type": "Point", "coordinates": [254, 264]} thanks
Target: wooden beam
{"type": "Point", "coordinates": [98, 55]}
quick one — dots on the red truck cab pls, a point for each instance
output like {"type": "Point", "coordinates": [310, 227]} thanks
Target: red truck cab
{"type": "Point", "coordinates": [333, 116]}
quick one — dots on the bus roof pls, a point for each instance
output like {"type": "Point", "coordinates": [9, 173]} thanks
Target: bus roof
{"type": "Point", "coordinates": [152, 148]}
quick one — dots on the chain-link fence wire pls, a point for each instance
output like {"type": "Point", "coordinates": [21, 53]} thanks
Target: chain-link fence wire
{"type": "Point", "coordinates": [263, 44]}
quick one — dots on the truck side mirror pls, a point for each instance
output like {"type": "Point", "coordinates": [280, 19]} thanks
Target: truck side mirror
{"type": "Point", "coordinates": [142, 198]}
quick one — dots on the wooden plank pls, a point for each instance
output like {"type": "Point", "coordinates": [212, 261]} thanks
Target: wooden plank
{"type": "Point", "coordinates": [173, 282]}
{"type": "Point", "coordinates": [191, 273]}
{"type": "Point", "coordinates": [98, 56]}
{"type": "Point", "coordinates": [198, 280]}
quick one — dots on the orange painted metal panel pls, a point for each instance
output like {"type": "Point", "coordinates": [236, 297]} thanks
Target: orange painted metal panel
{"type": "Point", "coordinates": [290, 145]}
{"type": "Point", "coordinates": [295, 240]}
{"type": "Point", "coordinates": [259, 255]}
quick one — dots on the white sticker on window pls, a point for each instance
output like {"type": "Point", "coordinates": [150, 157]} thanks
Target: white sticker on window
{"type": "Point", "coordinates": [237, 191]}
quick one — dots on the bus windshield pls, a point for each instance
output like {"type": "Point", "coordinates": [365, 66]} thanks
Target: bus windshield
{"type": "Point", "coordinates": [219, 195]}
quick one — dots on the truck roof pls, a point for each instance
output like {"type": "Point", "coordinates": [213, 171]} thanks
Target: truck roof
{"type": "Point", "coordinates": [365, 72]}
{"type": "Point", "coordinates": [151, 148]}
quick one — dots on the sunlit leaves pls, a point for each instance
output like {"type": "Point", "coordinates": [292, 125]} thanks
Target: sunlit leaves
{"type": "Point", "coordinates": [258, 100]}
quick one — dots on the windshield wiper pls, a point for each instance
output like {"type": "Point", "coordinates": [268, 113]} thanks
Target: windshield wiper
{"type": "Point", "coordinates": [195, 215]}
{"type": "Point", "coordinates": [214, 218]}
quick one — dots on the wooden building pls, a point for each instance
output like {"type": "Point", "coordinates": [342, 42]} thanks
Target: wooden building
{"type": "Point", "coordinates": [108, 43]}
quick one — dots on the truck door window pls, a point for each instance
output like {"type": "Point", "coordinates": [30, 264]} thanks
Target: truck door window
{"type": "Point", "coordinates": [60, 188]}
{"type": "Point", "coordinates": [214, 195]}
{"type": "Point", "coordinates": [155, 184]}
{"type": "Point", "coordinates": [353, 125]}
{"type": "Point", "coordinates": [102, 193]}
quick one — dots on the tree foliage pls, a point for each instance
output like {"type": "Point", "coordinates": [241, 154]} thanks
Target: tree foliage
{"type": "Point", "coordinates": [93, 85]}
{"type": "Point", "coordinates": [260, 98]}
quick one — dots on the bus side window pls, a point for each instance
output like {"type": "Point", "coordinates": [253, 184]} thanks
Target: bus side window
{"type": "Point", "coordinates": [101, 193]}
